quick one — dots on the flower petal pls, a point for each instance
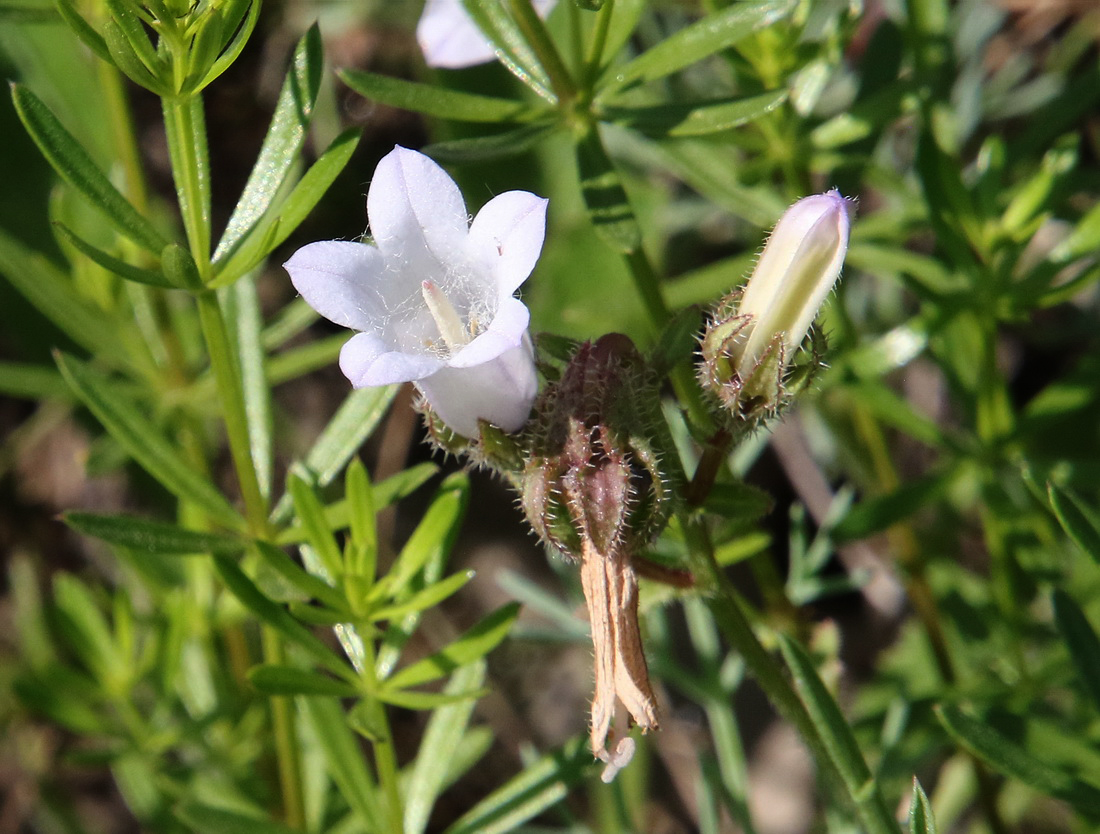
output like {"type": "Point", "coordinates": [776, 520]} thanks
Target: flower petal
{"type": "Point", "coordinates": [339, 279]}
{"type": "Point", "coordinates": [367, 361]}
{"type": "Point", "coordinates": [505, 332]}
{"type": "Point", "coordinates": [449, 38]}
{"type": "Point", "coordinates": [507, 236]}
{"type": "Point", "coordinates": [501, 391]}
{"type": "Point", "coordinates": [416, 212]}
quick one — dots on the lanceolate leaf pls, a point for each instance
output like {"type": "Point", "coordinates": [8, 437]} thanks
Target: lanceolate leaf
{"type": "Point", "coordinates": [921, 820]}
{"type": "Point", "coordinates": [437, 101]}
{"type": "Point", "coordinates": [152, 277]}
{"type": "Point", "coordinates": [494, 146]}
{"type": "Point", "coordinates": [277, 223]}
{"type": "Point", "coordinates": [76, 167]}
{"type": "Point", "coordinates": [696, 118]}
{"type": "Point", "coordinates": [499, 28]}
{"type": "Point", "coordinates": [1076, 520]}
{"type": "Point", "coordinates": [604, 195]}
{"type": "Point", "coordinates": [284, 139]}
{"type": "Point", "coordinates": [1081, 640]}
{"type": "Point", "coordinates": [471, 646]}
{"type": "Point", "coordinates": [200, 817]}
{"type": "Point", "coordinates": [535, 789]}
{"type": "Point", "coordinates": [154, 537]}
{"type": "Point", "coordinates": [703, 38]}
{"type": "Point", "coordinates": [1007, 757]}
{"type": "Point", "coordinates": [344, 758]}
{"type": "Point", "coordinates": [275, 616]}
{"type": "Point", "coordinates": [273, 679]}
{"type": "Point", "coordinates": [835, 734]}
{"type": "Point", "coordinates": [123, 419]}
{"type": "Point", "coordinates": [52, 293]}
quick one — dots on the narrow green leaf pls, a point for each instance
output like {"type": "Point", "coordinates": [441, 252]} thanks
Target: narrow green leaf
{"type": "Point", "coordinates": [494, 146]}
{"type": "Point", "coordinates": [344, 759]}
{"type": "Point", "coordinates": [445, 730]}
{"type": "Point", "coordinates": [277, 224]}
{"type": "Point", "coordinates": [536, 788]}
{"type": "Point", "coordinates": [235, 46]}
{"type": "Point", "coordinates": [1081, 640]}
{"type": "Point", "coordinates": [361, 518]}
{"type": "Point", "coordinates": [352, 424]}
{"type": "Point", "coordinates": [876, 514]}
{"type": "Point", "coordinates": [152, 277]}
{"type": "Point", "coordinates": [54, 695]}
{"type": "Point", "coordinates": [1006, 757]}
{"type": "Point", "coordinates": [211, 820]}
{"type": "Point", "coordinates": [307, 507]}
{"type": "Point", "coordinates": [124, 421]}
{"type": "Point", "coordinates": [424, 599]}
{"type": "Point", "coordinates": [695, 42]}
{"type": "Point", "coordinates": [274, 615]}
{"type": "Point", "coordinates": [625, 16]}
{"type": "Point", "coordinates": [301, 579]}
{"type": "Point", "coordinates": [28, 381]}
{"type": "Point", "coordinates": [76, 167]}
{"type": "Point", "coordinates": [921, 820]}
{"type": "Point", "coordinates": [1076, 520]}
{"type": "Point", "coordinates": [281, 145]}
{"type": "Point", "coordinates": [494, 21]}
{"type": "Point", "coordinates": [836, 736]}
{"type": "Point", "coordinates": [52, 293]}
{"type": "Point", "coordinates": [247, 329]}
{"type": "Point", "coordinates": [409, 699]}
{"type": "Point", "coordinates": [434, 535]}
{"type": "Point", "coordinates": [83, 30]}
{"type": "Point", "coordinates": [125, 16]}
{"type": "Point", "coordinates": [123, 56]}
{"type": "Point", "coordinates": [477, 642]}
{"type": "Point", "coordinates": [273, 679]}
{"type": "Point", "coordinates": [437, 101]}
{"type": "Point", "coordinates": [699, 118]}
{"type": "Point", "coordinates": [604, 195]}
{"type": "Point", "coordinates": [152, 537]}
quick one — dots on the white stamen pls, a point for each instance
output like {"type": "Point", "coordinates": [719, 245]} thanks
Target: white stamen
{"type": "Point", "coordinates": [446, 317]}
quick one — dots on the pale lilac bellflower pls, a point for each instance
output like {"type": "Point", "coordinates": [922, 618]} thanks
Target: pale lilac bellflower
{"type": "Point", "coordinates": [450, 39]}
{"type": "Point", "coordinates": [432, 298]}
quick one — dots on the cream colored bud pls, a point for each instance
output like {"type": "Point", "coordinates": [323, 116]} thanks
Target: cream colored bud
{"type": "Point", "coordinates": [798, 267]}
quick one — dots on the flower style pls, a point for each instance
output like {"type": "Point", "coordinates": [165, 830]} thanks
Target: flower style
{"type": "Point", "coordinates": [450, 39]}
{"type": "Point", "coordinates": [432, 298]}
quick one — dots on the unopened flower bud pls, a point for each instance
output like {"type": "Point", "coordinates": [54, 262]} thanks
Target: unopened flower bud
{"type": "Point", "coordinates": [753, 335]}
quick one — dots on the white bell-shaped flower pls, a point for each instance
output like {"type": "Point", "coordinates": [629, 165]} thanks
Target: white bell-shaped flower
{"type": "Point", "coordinates": [450, 39]}
{"type": "Point", "coordinates": [433, 297]}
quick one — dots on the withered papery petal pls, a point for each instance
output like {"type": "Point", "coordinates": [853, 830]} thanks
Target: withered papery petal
{"type": "Point", "coordinates": [611, 593]}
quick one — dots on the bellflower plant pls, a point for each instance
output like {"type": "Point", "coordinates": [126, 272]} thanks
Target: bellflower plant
{"type": "Point", "coordinates": [432, 298]}
{"type": "Point", "coordinates": [450, 39]}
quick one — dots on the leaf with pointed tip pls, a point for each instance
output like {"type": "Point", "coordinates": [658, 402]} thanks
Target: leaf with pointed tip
{"type": "Point", "coordinates": [695, 118]}
{"type": "Point", "coordinates": [921, 820]}
{"type": "Point", "coordinates": [281, 145]}
{"type": "Point", "coordinates": [151, 277]}
{"type": "Point", "coordinates": [438, 101]}
{"type": "Point", "coordinates": [477, 642]}
{"type": "Point", "coordinates": [123, 420]}
{"type": "Point", "coordinates": [153, 537]}
{"type": "Point", "coordinates": [76, 167]}
{"type": "Point", "coordinates": [1078, 522]}
{"type": "Point", "coordinates": [695, 42]}
{"type": "Point", "coordinates": [275, 679]}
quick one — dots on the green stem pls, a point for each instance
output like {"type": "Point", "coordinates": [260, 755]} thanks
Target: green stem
{"type": "Point", "coordinates": [231, 395]}
{"type": "Point", "coordinates": [534, 30]}
{"type": "Point", "coordinates": [599, 43]}
{"type": "Point", "coordinates": [286, 743]}
{"type": "Point", "coordinates": [186, 133]}
{"type": "Point", "coordinates": [385, 757]}
{"type": "Point", "coordinates": [769, 674]}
